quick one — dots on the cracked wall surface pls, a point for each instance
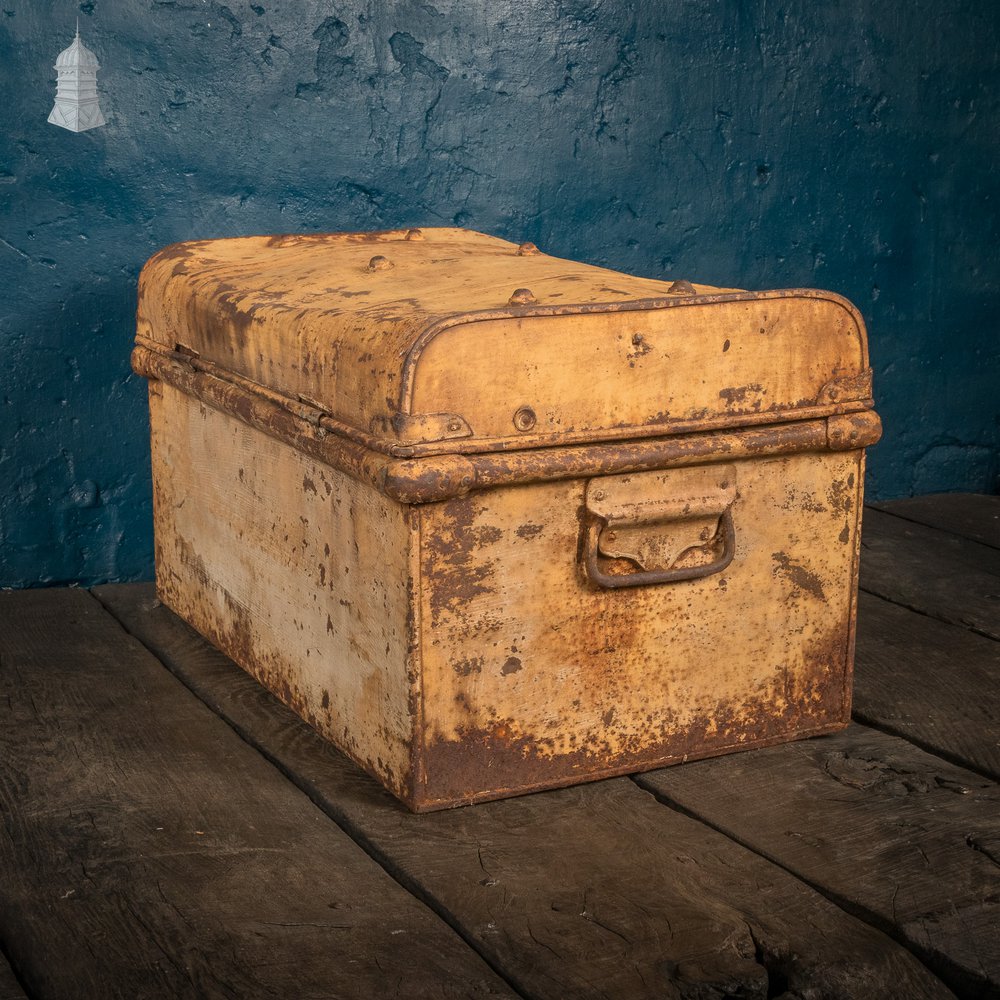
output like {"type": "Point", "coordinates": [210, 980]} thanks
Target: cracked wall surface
{"type": "Point", "coordinates": [849, 146]}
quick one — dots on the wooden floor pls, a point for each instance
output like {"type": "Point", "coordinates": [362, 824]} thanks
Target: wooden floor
{"type": "Point", "coordinates": [170, 830]}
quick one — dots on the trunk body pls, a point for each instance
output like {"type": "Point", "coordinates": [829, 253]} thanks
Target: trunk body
{"type": "Point", "coordinates": [562, 545]}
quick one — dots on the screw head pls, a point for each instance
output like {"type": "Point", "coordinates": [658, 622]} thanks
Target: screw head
{"type": "Point", "coordinates": [379, 263]}
{"type": "Point", "coordinates": [527, 250]}
{"type": "Point", "coordinates": [414, 234]}
{"type": "Point", "coordinates": [521, 297]}
{"type": "Point", "coordinates": [524, 418]}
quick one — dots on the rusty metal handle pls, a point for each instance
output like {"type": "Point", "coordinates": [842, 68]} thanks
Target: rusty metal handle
{"type": "Point", "coordinates": [647, 578]}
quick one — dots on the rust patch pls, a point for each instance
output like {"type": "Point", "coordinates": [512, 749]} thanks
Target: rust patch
{"type": "Point", "coordinates": [473, 665]}
{"type": "Point", "coordinates": [497, 760]}
{"type": "Point", "coordinates": [798, 575]}
{"type": "Point", "coordinates": [512, 666]}
{"type": "Point", "coordinates": [841, 494]}
{"type": "Point", "coordinates": [641, 347]}
{"type": "Point", "coordinates": [452, 564]}
{"type": "Point", "coordinates": [739, 395]}
{"type": "Point", "coordinates": [529, 530]}
{"type": "Point", "coordinates": [309, 486]}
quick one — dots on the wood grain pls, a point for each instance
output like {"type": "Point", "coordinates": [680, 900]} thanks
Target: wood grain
{"type": "Point", "coordinates": [904, 839]}
{"type": "Point", "coordinates": [971, 515]}
{"type": "Point", "coordinates": [934, 572]}
{"type": "Point", "coordinates": [594, 891]}
{"type": "Point", "coordinates": [935, 684]}
{"type": "Point", "coordinates": [146, 851]}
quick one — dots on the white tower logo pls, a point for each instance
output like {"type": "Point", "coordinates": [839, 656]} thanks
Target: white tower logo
{"type": "Point", "coordinates": [76, 106]}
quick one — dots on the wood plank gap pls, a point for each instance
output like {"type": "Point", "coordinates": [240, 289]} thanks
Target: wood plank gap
{"type": "Point", "coordinates": [887, 509]}
{"type": "Point", "coordinates": [923, 568]}
{"type": "Point", "coordinates": [975, 516]}
{"type": "Point", "coordinates": [12, 986]}
{"type": "Point", "coordinates": [926, 614]}
{"type": "Point", "coordinates": [337, 817]}
{"type": "Point", "coordinates": [953, 976]}
{"type": "Point", "coordinates": [931, 683]}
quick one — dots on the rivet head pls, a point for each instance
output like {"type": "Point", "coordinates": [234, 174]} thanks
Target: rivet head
{"type": "Point", "coordinates": [681, 288]}
{"type": "Point", "coordinates": [521, 297]}
{"type": "Point", "coordinates": [414, 234]}
{"type": "Point", "coordinates": [524, 418]}
{"type": "Point", "coordinates": [379, 263]}
{"type": "Point", "coordinates": [527, 250]}
{"type": "Point", "coordinates": [454, 425]}
{"type": "Point", "coordinates": [599, 494]}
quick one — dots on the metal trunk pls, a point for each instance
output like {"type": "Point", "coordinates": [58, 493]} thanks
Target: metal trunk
{"type": "Point", "coordinates": [493, 521]}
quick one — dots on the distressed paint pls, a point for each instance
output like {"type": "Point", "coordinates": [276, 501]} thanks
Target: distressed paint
{"type": "Point", "coordinates": [848, 146]}
{"type": "Point", "coordinates": [295, 570]}
{"type": "Point", "coordinates": [549, 614]}
{"type": "Point", "coordinates": [388, 355]}
{"type": "Point", "coordinates": [535, 677]}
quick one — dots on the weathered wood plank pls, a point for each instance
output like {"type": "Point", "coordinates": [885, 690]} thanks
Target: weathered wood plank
{"type": "Point", "coordinates": [594, 891]}
{"type": "Point", "coordinates": [935, 684]}
{"type": "Point", "coordinates": [971, 515]}
{"type": "Point", "coordinates": [895, 834]}
{"type": "Point", "coordinates": [147, 851]}
{"type": "Point", "coordinates": [934, 572]}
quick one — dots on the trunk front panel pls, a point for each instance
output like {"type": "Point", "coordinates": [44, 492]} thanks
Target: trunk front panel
{"type": "Point", "coordinates": [534, 675]}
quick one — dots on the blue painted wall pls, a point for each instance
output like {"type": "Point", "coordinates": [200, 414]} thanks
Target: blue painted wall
{"type": "Point", "coordinates": [850, 145]}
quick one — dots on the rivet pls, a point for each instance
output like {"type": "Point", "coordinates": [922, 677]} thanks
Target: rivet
{"type": "Point", "coordinates": [379, 263]}
{"type": "Point", "coordinates": [414, 234]}
{"type": "Point", "coordinates": [681, 287]}
{"type": "Point", "coordinates": [454, 425]}
{"type": "Point", "coordinates": [524, 418]}
{"type": "Point", "coordinates": [466, 480]}
{"type": "Point", "coordinates": [527, 250]}
{"type": "Point", "coordinates": [612, 536]}
{"type": "Point", "coordinates": [521, 297]}
{"type": "Point", "coordinates": [599, 494]}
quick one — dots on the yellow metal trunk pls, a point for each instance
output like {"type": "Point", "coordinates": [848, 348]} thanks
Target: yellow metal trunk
{"type": "Point", "coordinates": [493, 521]}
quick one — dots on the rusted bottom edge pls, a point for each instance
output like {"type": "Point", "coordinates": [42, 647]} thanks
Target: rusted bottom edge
{"type": "Point", "coordinates": [417, 805]}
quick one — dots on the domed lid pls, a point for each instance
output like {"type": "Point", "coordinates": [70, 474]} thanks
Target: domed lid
{"type": "Point", "coordinates": [77, 55]}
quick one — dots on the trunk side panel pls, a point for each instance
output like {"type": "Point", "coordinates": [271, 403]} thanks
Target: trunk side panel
{"type": "Point", "coordinates": [296, 571]}
{"type": "Point", "coordinates": [535, 677]}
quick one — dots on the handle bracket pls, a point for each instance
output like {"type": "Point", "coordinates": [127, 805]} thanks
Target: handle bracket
{"type": "Point", "coordinates": [660, 522]}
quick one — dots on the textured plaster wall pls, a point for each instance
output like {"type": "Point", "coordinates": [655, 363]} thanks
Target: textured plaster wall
{"type": "Point", "coordinates": [849, 145]}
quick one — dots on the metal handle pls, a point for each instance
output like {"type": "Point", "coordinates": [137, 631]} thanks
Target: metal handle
{"type": "Point", "coordinates": [647, 578]}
